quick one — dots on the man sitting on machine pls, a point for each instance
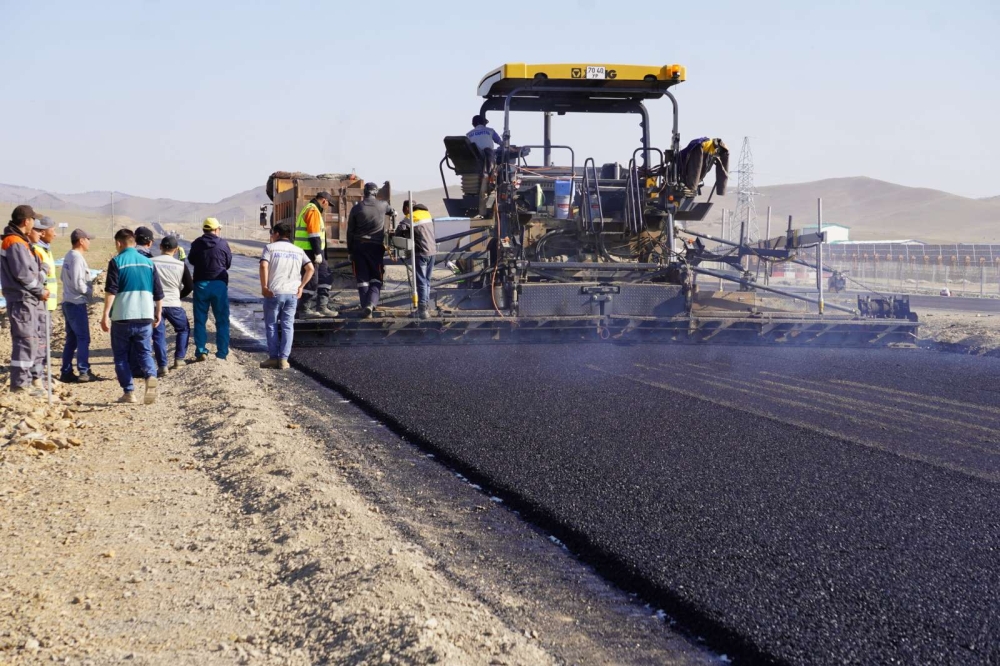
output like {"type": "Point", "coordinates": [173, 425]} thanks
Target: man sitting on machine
{"type": "Point", "coordinates": [485, 139]}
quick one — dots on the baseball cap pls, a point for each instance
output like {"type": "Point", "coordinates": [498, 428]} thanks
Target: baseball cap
{"type": "Point", "coordinates": [168, 242]}
{"type": "Point", "coordinates": [143, 235]}
{"type": "Point", "coordinates": [22, 213]}
{"type": "Point", "coordinates": [78, 235]}
{"type": "Point", "coordinates": [324, 195]}
{"type": "Point", "coordinates": [45, 222]}
{"type": "Point", "coordinates": [210, 224]}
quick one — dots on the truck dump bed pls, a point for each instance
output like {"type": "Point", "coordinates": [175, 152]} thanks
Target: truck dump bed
{"type": "Point", "coordinates": [290, 191]}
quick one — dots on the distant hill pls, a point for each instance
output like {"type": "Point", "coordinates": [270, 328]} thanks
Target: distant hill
{"type": "Point", "coordinates": [873, 209]}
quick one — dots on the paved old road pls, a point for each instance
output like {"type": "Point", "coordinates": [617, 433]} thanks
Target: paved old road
{"type": "Point", "coordinates": [789, 504]}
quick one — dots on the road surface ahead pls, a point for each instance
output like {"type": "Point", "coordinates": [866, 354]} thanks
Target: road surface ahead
{"type": "Point", "coordinates": [788, 504]}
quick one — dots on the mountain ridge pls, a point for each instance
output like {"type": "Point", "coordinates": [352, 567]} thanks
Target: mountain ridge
{"type": "Point", "coordinates": [872, 208]}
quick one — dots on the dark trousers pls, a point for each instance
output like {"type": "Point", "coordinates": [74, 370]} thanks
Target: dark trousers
{"type": "Point", "coordinates": [317, 292]}
{"type": "Point", "coordinates": [77, 338]}
{"type": "Point", "coordinates": [368, 260]}
{"type": "Point", "coordinates": [425, 267]}
{"type": "Point", "coordinates": [132, 342]}
{"type": "Point", "coordinates": [24, 333]}
{"type": "Point", "coordinates": [179, 321]}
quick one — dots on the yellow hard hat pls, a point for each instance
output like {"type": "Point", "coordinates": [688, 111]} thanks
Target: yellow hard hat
{"type": "Point", "coordinates": [210, 224]}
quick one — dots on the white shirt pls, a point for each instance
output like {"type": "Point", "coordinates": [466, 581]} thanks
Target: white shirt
{"type": "Point", "coordinates": [284, 266]}
{"type": "Point", "coordinates": [484, 137]}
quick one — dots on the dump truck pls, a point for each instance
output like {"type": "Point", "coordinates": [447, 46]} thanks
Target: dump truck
{"type": "Point", "coordinates": [291, 191]}
{"type": "Point", "coordinates": [583, 251]}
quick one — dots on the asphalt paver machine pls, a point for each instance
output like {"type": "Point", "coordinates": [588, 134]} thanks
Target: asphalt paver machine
{"type": "Point", "coordinates": [587, 251]}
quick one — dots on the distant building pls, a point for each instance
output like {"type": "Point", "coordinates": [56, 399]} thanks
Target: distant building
{"type": "Point", "coordinates": [835, 233]}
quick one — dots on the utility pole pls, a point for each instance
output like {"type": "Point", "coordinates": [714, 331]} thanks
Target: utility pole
{"type": "Point", "coordinates": [112, 213]}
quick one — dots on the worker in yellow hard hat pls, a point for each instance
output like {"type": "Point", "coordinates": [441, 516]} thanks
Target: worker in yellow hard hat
{"type": "Point", "coordinates": [211, 259]}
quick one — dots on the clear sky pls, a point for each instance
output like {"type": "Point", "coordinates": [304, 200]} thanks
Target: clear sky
{"type": "Point", "coordinates": [200, 100]}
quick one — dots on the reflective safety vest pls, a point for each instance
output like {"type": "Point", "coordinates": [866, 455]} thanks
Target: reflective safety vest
{"type": "Point", "coordinates": [302, 234]}
{"type": "Point", "coordinates": [181, 254]}
{"type": "Point", "coordinates": [49, 264]}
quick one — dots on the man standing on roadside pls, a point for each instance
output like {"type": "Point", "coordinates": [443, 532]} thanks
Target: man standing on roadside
{"type": "Point", "coordinates": [43, 233]}
{"type": "Point", "coordinates": [282, 280]}
{"type": "Point", "coordinates": [144, 246]}
{"type": "Point", "coordinates": [310, 236]}
{"type": "Point", "coordinates": [78, 289]}
{"type": "Point", "coordinates": [211, 258]}
{"type": "Point", "coordinates": [133, 297]}
{"type": "Point", "coordinates": [366, 245]}
{"type": "Point", "coordinates": [177, 283]}
{"type": "Point", "coordinates": [23, 285]}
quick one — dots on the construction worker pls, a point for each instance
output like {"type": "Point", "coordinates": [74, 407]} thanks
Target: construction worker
{"type": "Point", "coordinates": [366, 246]}
{"type": "Point", "coordinates": [43, 233]}
{"type": "Point", "coordinates": [144, 241]}
{"type": "Point", "coordinates": [133, 298]}
{"type": "Point", "coordinates": [144, 246]}
{"type": "Point", "coordinates": [211, 259]}
{"type": "Point", "coordinates": [310, 236]}
{"type": "Point", "coordinates": [23, 284]}
{"type": "Point", "coordinates": [177, 284]}
{"type": "Point", "coordinates": [78, 289]}
{"type": "Point", "coordinates": [426, 248]}
{"type": "Point", "coordinates": [181, 254]}
{"type": "Point", "coordinates": [285, 270]}
{"type": "Point", "coordinates": [485, 139]}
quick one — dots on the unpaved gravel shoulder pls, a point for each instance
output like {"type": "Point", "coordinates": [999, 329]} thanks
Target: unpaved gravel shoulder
{"type": "Point", "coordinates": [964, 332]}
{"type": "Point", "coordinates": [202, 529]}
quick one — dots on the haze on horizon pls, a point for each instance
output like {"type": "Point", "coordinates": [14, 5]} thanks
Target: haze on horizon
{"type": "Point", "coordinates": [198, 101]}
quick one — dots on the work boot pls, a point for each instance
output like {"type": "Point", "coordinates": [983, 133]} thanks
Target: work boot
{"type": "Point", "coordinates": [70, 378]}
{"type": "Point", "coordinates": [89, 376]}
{"type": "Point", "coordinates": [309, 312]}
{"type": "Point", "coordinates": [128, 398]}
{"type": "Point", "coordinates": [162, 371]}
{"type": "Point", "coordinates": [367, 312]}
{"type": "Point", "coordinates": [323, 306]}
{"type": "Point", "coordinates": [177, 364]}
{"type": "Point", "coordinates": [271, 364]}
{"type": "Point", "coordinates": [37, 383]}
{"type": "Point", "coordinates": [150, 396]}
{"type": "Point", "coordinates": [198, 358]}
{"type": "Point", "coordinates": [283, 364]}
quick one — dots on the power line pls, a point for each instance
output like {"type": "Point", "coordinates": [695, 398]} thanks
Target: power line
{"type": "Point", "coordinates": [746, 209]}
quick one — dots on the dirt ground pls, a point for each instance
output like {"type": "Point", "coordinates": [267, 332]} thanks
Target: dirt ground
{"type": "Point", "coordinates": [962, 332]}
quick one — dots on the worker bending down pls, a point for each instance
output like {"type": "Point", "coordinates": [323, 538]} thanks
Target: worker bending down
{"type": "Point", "coordinates": [366, 246]}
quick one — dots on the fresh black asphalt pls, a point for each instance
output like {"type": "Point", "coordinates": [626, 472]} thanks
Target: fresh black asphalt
{"type": "Point", "coordinates": [786, 504]}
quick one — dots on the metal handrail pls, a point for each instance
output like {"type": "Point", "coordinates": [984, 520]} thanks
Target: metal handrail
{"type": "Point", "coordinates": [633, 198]}
{"type": "Point", "coordinates": [590, 167]}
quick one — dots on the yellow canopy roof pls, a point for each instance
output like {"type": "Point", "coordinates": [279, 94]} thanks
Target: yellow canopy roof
{"type": "Point", "coordinates": [599, 78]}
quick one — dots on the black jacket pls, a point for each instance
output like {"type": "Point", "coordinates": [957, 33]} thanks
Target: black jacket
{"type": "Point", "coordinates": [367, 222]}
{"type": "Point", "coordinates": [211, 258]}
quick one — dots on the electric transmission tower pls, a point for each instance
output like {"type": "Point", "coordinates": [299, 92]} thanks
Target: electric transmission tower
{"type": "Point", "coordinates": [746, 210]}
